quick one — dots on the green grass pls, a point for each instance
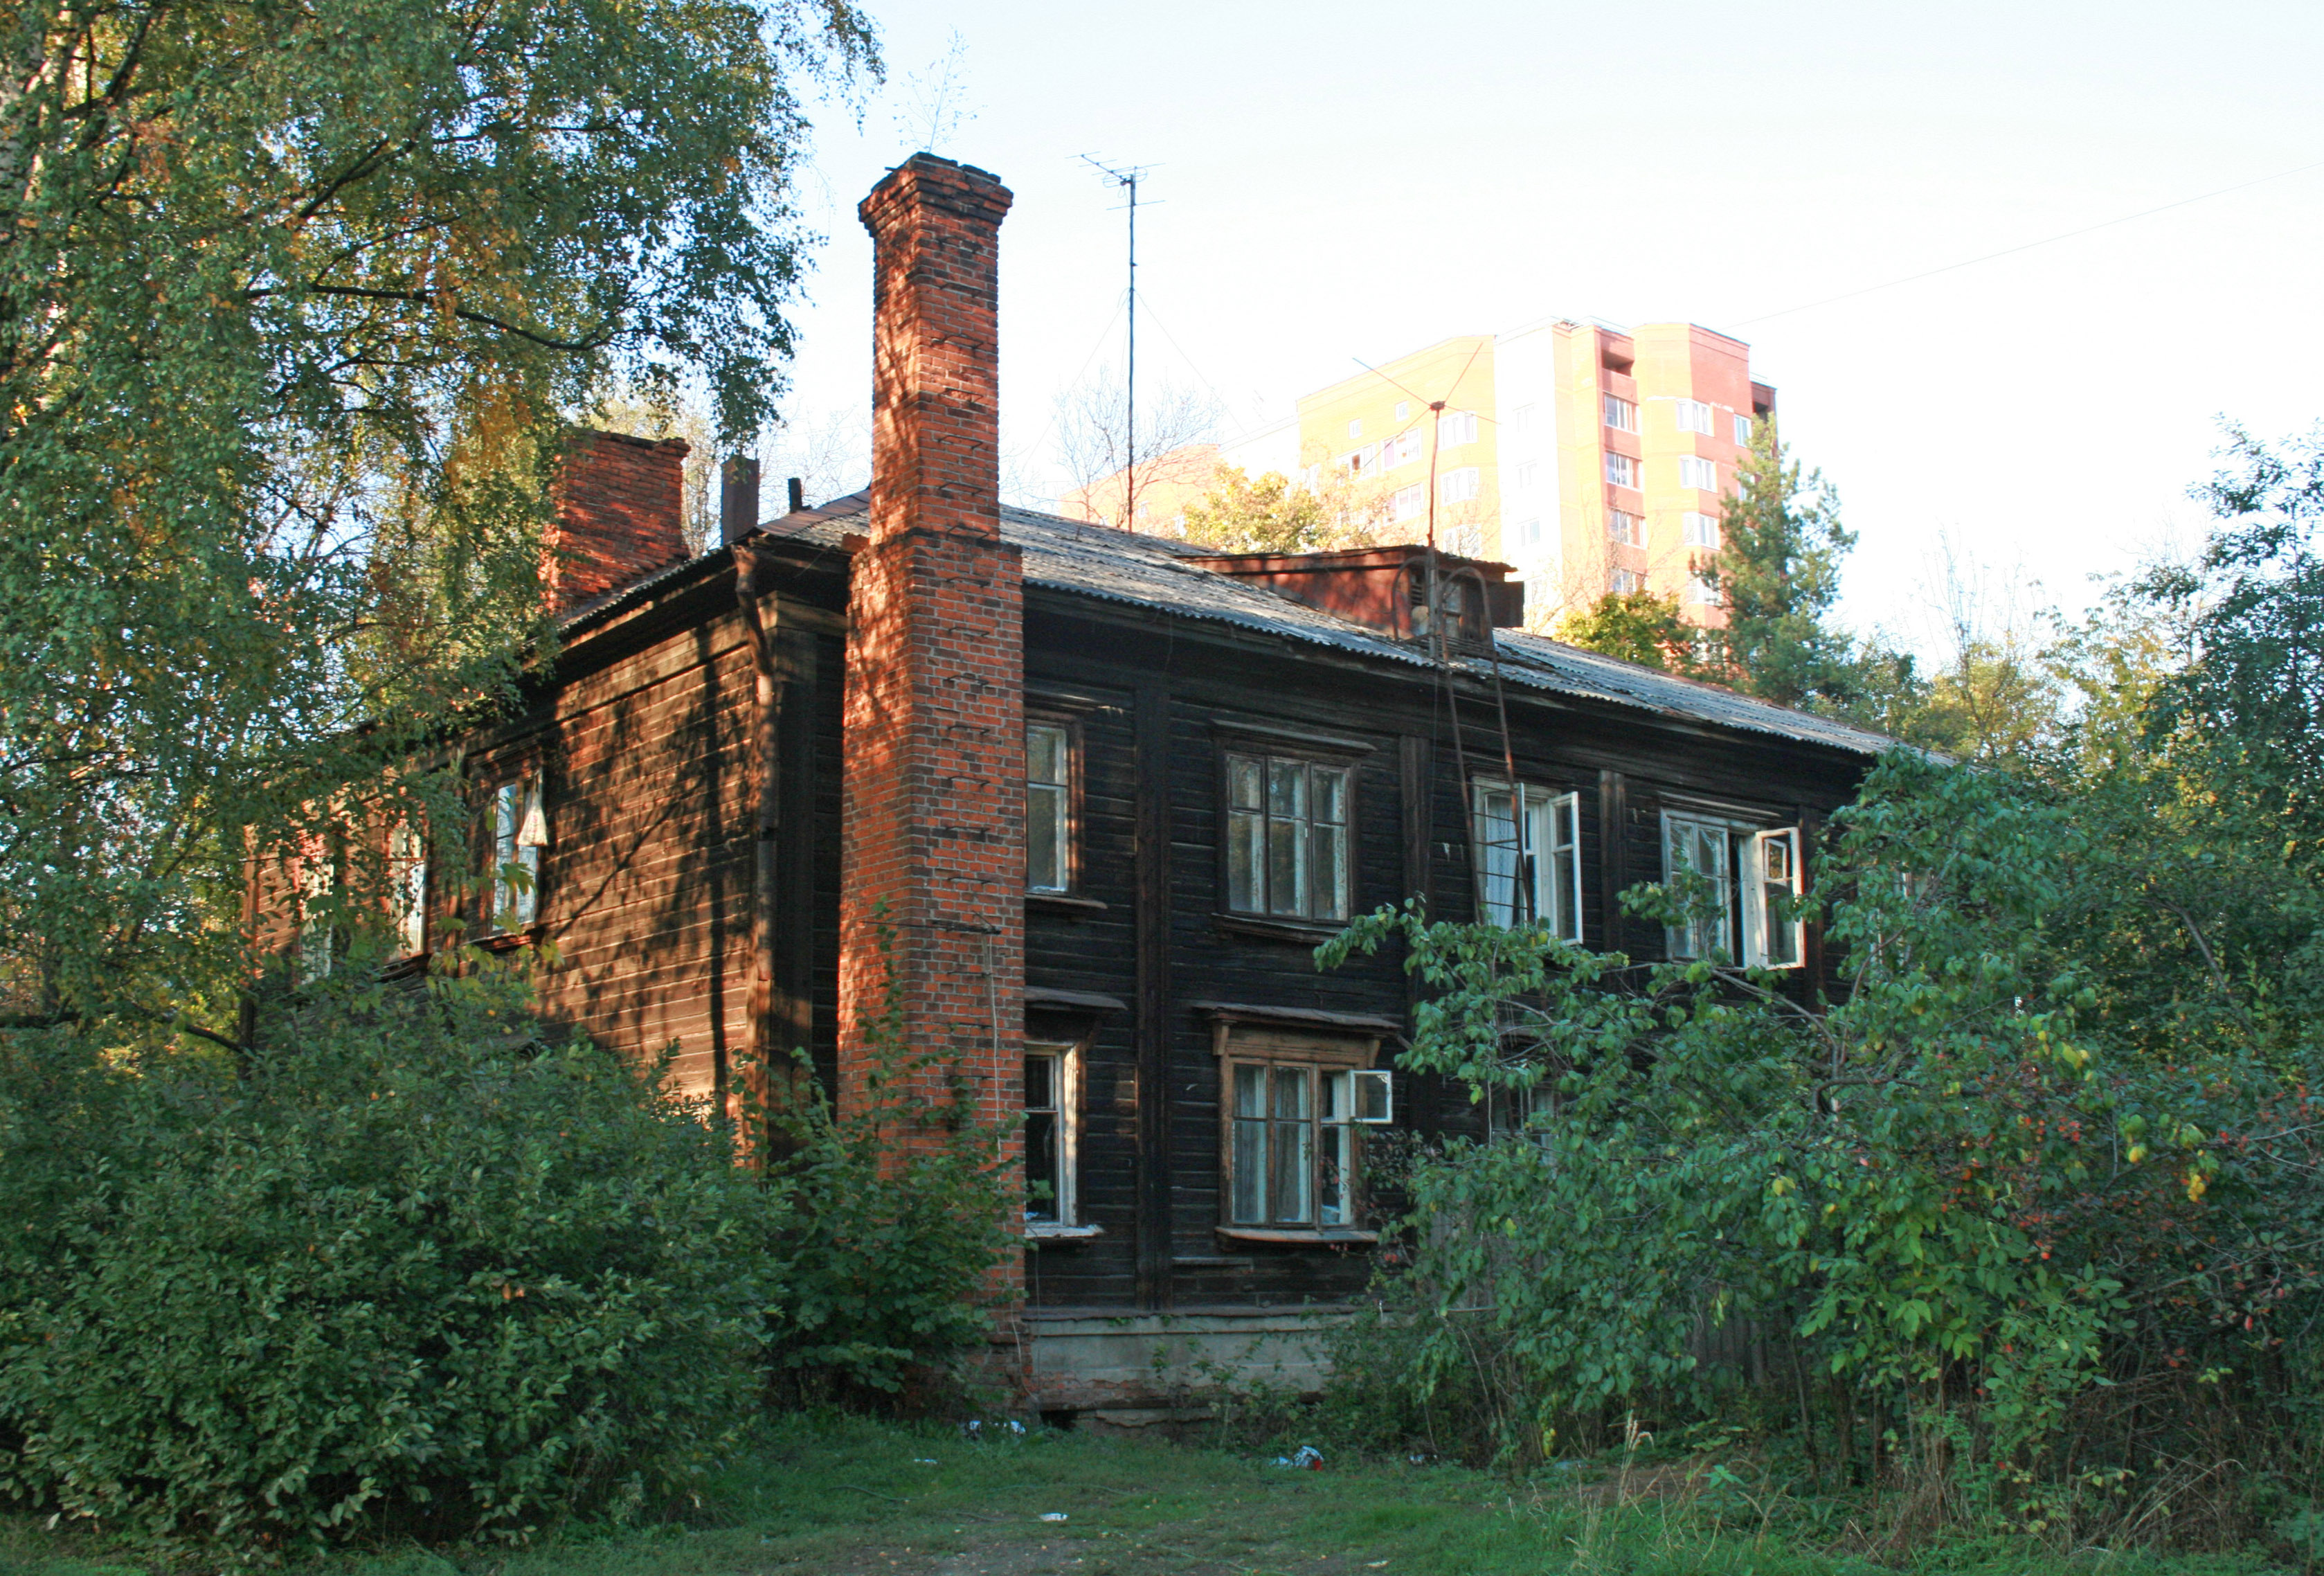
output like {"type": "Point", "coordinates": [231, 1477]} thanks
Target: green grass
{"type": "Point", "coordinates": [849, 1496]}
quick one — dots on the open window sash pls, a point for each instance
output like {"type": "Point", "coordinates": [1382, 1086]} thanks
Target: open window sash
{"type": "Point", "coordinates": [1771, 885]}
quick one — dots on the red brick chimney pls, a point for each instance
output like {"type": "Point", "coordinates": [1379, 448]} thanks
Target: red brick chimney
{"type": "Point", "coordinates": [934, 761]}
{"type": "Point", "coordinates": [619, 515]}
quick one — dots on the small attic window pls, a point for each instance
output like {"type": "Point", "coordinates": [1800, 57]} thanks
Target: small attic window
{"type": "Point", "coordinates": [1460, 601]}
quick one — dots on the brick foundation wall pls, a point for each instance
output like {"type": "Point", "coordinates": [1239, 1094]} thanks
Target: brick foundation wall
{"type": "Point", "coordinates": [619, 515]}
{"type": "Point", "coordinates": [934, 771]}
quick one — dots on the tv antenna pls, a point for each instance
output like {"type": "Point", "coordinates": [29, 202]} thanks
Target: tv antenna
{"type": "Point", "coordinates": [1126, 177]}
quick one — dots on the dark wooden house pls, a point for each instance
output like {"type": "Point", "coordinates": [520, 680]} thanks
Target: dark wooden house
{"type": "Point", "coordinates": [1103, 793]}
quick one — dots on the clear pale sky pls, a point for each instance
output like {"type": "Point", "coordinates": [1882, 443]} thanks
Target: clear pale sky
{"type": "Point", "coordinates": [1345, 180]}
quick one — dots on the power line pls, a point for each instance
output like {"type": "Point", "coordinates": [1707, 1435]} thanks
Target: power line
{"type": "Point", "coordinates": [2029, 246]}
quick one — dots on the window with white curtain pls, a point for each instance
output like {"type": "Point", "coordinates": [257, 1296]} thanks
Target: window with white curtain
{"type": "Point", "coordinates": [1052, 1133]}
{"type": "Point", "coordinates": [519, 829]}
{"type": "Point", "coordinates": [1528, 866]}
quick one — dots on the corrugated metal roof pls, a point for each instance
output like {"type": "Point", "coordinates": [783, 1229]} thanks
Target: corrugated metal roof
{"type": "Point", "coordinates": [1150, 572]}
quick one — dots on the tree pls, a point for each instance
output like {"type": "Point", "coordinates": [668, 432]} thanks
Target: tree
{"type": "Point", "coordinates": [1777, 575]}
{"type": "Point", "coordinates": [1094, 441]}
{"type": "Point", "coordinates": [2254, 611]}
{"type": "Point", "coordinates": [1639, 626]}
{"type": "Point", "coordinates": [295, 298]}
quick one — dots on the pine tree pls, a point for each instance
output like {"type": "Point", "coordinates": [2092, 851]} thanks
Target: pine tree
{"type": "Point", "coordinates": [1777, 575]}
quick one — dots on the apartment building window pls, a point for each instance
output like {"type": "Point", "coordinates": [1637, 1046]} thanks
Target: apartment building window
{"type": "Point", "coordinates": [1459, 487]}
{"type": "Point", "coordinates": [1287, 836]}
{"type": "Point", "coordinates": [1694, 416]}
{"type": "Point", "coordinates": [1403, 410]}
{"type": "Point", "coordinates": [1621, 413]}
{"type": "Point", "coordinates": [1526, 534]}
{"type": "Point", "coordinates": [1465, 541]}
{"type": "Point", "coordinates": [1048, 807]}
{"type": "Point", "coordinates": [1526, 416]}
{"type": "Point", "coordinates": [1535, 879]}
{"type": "Point", "coordinates": [1625, 583]}
{"type": "Point", "coordinates": [1528, 476]}
{"type": "Point", "coordinates": [1361, 460]}
{"type": "Point", "coordinates": [1409, 502]}
{"type": "Point", "coordinates": [1455, 428]}
{"type": "Point", "coordinates": [1294, 1149]}
{"type": "Point", "coordinates": [518, 829]}
{"type": "Point", "coordinates": [407, 875]}
{"type": "Point", "coordinates": [1742, 431]}
{"type": "Point", "coordinates": [1695, 471]}
{"type": "Point", "coordinates": [1714, 850]}
{"type": "Point", "coordinates": [1401, 450]}
{"type": "Point", "coordinates": [1626, 528]}
{"type": "Point", "coordinates": [1052, 1133]}
{"type": "Point", "coordinates": [1621, 469]}
{"type": "Point", "coordinates": [1356, 429]}
{"type": "Point", "coordinates": [1700, 592]}
{"type": "Point", "coordinates": [1699, 529]}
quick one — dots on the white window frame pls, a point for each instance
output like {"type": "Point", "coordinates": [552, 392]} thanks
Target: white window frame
{"type": "Point", "coordinates": [517, 829]}
{"type": "Point", "coordinates": [1698, 529]}
{"type": "Point", "coordinates": [1401, 450]}
{"type": "Point", "coordinates": [1695, 471]}
{"type": "Point", "coordinates": [1455, 428]}
{"type": "Point", "coordinates": [1296, 830]}
{"type": "Point", "coordinates": [1409, 502]}
{"type": "Point", "coordinates": [1462, 486]}
{"type": "Point", "coordinates": [407, 874]}
{"type": "Point", "coordinates": [1526, 534]}
{"type": "Point", "coordinates": [1335, 1099]}
{"type": "Point", "coordinates": [1688, 840]}
{"type": "Point", "coordinates": [1621, 470]}
{"type": "Point", "coordinates": [1465, 541]}
{"type": "Point", "coordinates": [1628, 529]}
{"type": "Point", "coordinates": [1403, 410]}
{"type": "Point", "coordinates": [1509, 1111]}
{"type": "Point", "coordinates": [1059, 796]}
{"type": "Point", "coordinates": [1700, 592]}
{"type": "Point", "coordinates": [1624, 582]}
{"type": "Point", "coordinates": [1742, 431]}
{"type": "Point", "coordinates": [1747, 854]}
{"type": "Point", "coordinates": [1527, 477]}
{"type": "Point", "coordinates": [1694, 416]}
{"type": "Point", "coordinates": [1619, 413]}
{"type": "Point", "coordinates": [318, 942]}
{"type": "Point", "coordinates": [1356, 429]}
{"type": "Point", "coordinates": [1772, 875]}
{"type": "Point", "coordinates": [1546, 873]}
{"type": "Point", "coordinates": [1062, 1212]}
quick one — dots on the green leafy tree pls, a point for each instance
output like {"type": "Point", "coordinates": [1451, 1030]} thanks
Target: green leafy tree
{"type": "Point", "coordinates": [294, 300]}
{"type": "Point", "coordinates": [1776, 574]}
{"type": "Point", "coordinates": [1639, 626]}
{"type": "Point", "coordinates": [1272, 513]}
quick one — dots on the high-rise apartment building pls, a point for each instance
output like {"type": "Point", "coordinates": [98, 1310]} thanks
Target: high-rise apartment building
{"type": "Point", "coordinates": [1592, 457]}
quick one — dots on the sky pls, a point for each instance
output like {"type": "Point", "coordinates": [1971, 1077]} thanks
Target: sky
{"type": "Point", "coordinates": [1336, 182]}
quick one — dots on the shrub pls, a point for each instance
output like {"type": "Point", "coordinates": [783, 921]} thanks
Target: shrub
{"type": "Point", "coordinates": [410, 1266]}
{"type": "Point", "coordinates": [897, 1208]}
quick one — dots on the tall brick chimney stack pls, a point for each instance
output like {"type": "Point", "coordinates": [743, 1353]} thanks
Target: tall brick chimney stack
{"type": "Point", "coordinates": [934, 761]}
{"type": "Point", "coordinates": [621, 514]}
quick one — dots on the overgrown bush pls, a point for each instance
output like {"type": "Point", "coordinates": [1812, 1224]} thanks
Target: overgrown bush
{"type": "Point", "coordinates": [408, 1266]}
{"type": "Point", "coordinates": [2020, 1219]}
{"type": "Point", "coordinates": [896, 1209]}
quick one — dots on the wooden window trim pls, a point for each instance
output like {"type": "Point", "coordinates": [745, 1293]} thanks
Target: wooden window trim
{"type": "Point", "coordinates": [1239, 1041]}
{"type": "Point", "coordinates": [513, 770]}
{"type": "Point", "coordinates": [1068, 896]}
{"type": "Point", "coordinates": [1303, 928]}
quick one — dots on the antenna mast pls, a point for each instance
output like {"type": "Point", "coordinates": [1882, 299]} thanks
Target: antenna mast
{"type": "Point", "coordinates": [1126, 177]}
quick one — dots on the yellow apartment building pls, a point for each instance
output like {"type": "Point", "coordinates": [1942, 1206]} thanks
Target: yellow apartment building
{"type": "Point", "coordinates": [1590, 456]}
